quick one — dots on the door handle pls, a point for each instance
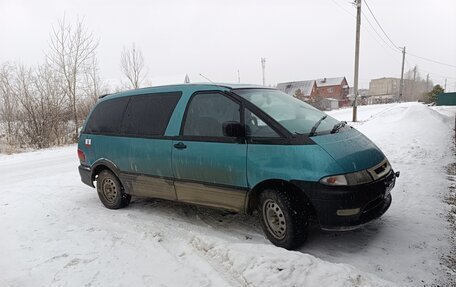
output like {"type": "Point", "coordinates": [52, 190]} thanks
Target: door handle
{"type": "Point", "coordinates": [180, 145]}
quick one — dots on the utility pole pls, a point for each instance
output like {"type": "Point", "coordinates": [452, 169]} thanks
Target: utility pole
{"type": "Point", "coordinates": [445, 84]}
{"type": "Point", "coordinates": [263, 65]}
{"type": "Point", "coordinates": [355, 81]}
{"type": "Point", "coordinates": [401, 85]}
{"type": "Point", "coordinates": [412, 96]}
{"type": "Point", "coordinates": [239, 77]}
{"type": "Point", "coordinates": [427, 83]}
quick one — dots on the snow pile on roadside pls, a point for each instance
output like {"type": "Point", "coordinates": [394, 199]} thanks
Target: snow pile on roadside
{"type": "Point", "coordinates": [266, 265]}
{"type": "Point", "coordinates": [415, 232]}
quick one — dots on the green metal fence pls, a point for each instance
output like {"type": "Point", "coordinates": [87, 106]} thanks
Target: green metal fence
{"type": "Point", "coordinates": [446, 99]}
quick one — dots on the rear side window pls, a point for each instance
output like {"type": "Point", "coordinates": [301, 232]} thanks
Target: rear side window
{"type": "Point", "coordinates": [107, 117]}
{"type": "Point", "coordinates": [148, 115]}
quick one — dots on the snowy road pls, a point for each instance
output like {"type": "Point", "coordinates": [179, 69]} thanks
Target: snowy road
{"type": "Point", "coordinates": [55, 232]}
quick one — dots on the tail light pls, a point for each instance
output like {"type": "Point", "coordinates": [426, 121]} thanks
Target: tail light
{"type": "Point", "coordinates": [81, 155]}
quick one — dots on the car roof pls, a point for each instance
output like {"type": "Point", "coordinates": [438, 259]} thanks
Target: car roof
{"type": "Point", "coordinates": [183, 87]}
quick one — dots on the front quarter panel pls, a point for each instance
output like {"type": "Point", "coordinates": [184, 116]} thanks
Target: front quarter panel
{"type": "Point", "coordinates": [288, 162]}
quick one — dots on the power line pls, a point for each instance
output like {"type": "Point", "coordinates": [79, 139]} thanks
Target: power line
{"type": "Point", "coordinates": [433, 61]}
{"type": "Point", "coordinates": [391, 44]}
{"type": "Point", "coordinates": [375, 30]}
{"type": "Point", "coordinates": [378, 23]}
{"type": "Point", "coordinates": [437, 75]}
{"type": "Point", "coordinates": [370, 24]}
{"type": "Point", "coordinates": [410, 67]}
{"type": "Point", "coordinates": [397, 47]}
{"type": "Point", "coordinates": [369, 30]}
{"type": "Point", "coordinates": [386, 50]}
{"type": "Point", "coordinates": [341, 7]}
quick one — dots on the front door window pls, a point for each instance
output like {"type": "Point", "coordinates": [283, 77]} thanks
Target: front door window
{"type": "Point", "coordinates": [206, 114]}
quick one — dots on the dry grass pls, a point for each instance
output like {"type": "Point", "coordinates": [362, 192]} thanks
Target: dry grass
{"type": "Point", "coordinates": [8, 149]}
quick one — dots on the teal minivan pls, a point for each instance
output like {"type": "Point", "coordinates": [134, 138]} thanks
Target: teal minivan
{"type": "Point", "coordinates": [241, 148]}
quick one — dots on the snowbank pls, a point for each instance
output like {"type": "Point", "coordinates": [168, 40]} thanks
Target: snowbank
{"type": "Point", "coordinates": [266, 265]}
{"type": "Point", "coordinates": [55, 232]}
{"type": "Point", "coordinates": [407, 244]}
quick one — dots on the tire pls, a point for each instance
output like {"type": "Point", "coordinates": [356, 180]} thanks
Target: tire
{"type": "Point", "coordinates": [110, 191]}
{"type": "Point", "coordinates": [283, 217]}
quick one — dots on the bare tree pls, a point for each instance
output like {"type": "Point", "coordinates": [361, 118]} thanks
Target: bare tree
{"type": "Point", "coordinates": [132, 65]}
{"type": "Point", "coordinates": [32, 127]}
{"type": "Point", "coordinates": [42, 109]}
{"type": "Point", "coordinates": [93, 89]}
{"type": "Point", "coordinates": [7, 107]}
{"type": "Point", "coordinates": [51, 92]}
{"type": "Point", "coordinates": [71, 50]}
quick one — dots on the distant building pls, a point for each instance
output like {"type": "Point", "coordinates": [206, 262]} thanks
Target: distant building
{"type": "Point", "coordinates": [383, 90]}
{"type": "Point", "coordinates": [362, 96]}
{"type": "Point", "coordinates": [313, 91]}
{"type": "Point", "coordinates": [302, 90]}
{"type": "Point", "coordinates": [335, 88]}
{"type": "Point", "coordinates": [328, 104]}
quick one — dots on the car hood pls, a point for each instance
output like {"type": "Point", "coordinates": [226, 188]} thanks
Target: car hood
{"type": "Point", "coordinates": [352, 150]}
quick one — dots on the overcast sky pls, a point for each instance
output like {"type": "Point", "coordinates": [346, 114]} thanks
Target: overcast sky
{"type": "Point", "coordinates": [300, 39]}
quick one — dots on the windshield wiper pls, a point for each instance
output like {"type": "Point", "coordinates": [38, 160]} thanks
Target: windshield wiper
{"type": "Point", "coordinates": [315, 127]}
{"type": "Point", "coordinates": [338, 126]}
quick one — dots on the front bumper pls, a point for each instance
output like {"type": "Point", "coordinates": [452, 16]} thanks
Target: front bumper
{"type": "Point", "coordinates": [348, 207]}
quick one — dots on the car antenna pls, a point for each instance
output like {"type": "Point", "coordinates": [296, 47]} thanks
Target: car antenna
{"type": "Point", "coordinates": [206, 78]}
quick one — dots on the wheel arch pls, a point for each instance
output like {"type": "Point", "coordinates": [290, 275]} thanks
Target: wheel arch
{"type": "Point", "coordinates": [103, 164]}
{"type": "Point", "coordinates": [253, 194]}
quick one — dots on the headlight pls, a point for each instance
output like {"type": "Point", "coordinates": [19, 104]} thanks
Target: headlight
{"type": "Point", "coordinates": [334, 180]}
{"type": "Point", "coordinates": [354, 178]}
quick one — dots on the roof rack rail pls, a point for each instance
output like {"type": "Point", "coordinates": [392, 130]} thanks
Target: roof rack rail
{"type": "Point", "coordinates": [102, 96]}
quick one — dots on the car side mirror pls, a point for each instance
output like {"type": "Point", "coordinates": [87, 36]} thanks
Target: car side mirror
{"type": "Point", "coordinates": [233, 129]}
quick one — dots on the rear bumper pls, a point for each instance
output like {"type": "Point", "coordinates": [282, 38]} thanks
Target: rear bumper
{"type": "Point", "coordinates": [86, 175]}
{"type": "Point", "coordinates": [349, 207]}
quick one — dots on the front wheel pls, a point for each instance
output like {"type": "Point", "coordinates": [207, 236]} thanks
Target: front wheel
{"type": "Point", "coordinates": [110, 191]}
{"type": "Point", "coordinates": [283, 218]}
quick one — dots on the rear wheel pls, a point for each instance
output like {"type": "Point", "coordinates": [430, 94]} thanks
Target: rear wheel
{"type": "Point", "coordinates": [110, 191]}
{"type": "Point", "coordinates": [283, 217]}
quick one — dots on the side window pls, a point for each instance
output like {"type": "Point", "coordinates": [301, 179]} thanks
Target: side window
{"type": "Point", "coordinates": [107, 117]}
{"type": "Point", "coordinates": [148, 115]}
{"type": "Point", "coordinates": [256, 128]}
{"type": "Point", "coordinates": [206, 114]}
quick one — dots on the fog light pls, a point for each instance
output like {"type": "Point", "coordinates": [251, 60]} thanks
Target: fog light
{"type": "Point", "coordinates": [347, 212]}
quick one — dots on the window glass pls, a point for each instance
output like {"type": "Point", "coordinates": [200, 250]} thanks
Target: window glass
{"type": "Point", "coordinates": [148, 115]}
{"type": "Point", "coordinates": [107, 117]}
{"type": "Point", "coordinates": [255, 127]}
{"type": "Point", "coordinates": [293, 114]}
{"type": "Point", "coordinates": [207, 113]}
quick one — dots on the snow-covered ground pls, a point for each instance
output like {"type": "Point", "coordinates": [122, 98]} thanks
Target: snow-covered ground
{"type": "Point", "coordinates": [55, 232]}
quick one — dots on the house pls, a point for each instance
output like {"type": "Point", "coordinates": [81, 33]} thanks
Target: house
{"type": "Point", "coordinates": [335, 88]}
{"type": "Point", "coordinates": [313, 91]}
{"type": "Point", "coordinates": [302, 90]}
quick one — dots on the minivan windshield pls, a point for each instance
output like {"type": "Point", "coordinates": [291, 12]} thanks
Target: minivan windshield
{"type": "Point", "coordinates": [295, 115]}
